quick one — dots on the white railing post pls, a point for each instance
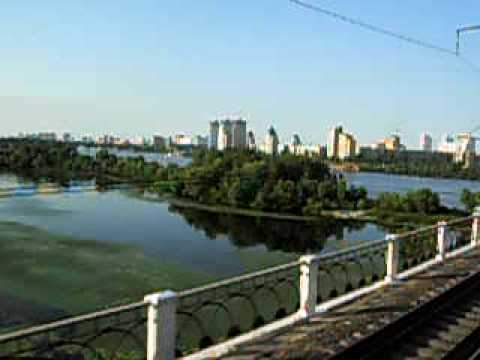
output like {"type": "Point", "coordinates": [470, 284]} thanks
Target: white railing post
{"type": "Point", "coordinates": [442, 245]}
{"type": "Point", "coordinates": [392, 258]}
{"type": "Point", "coordinates": [308, 285]}
{"type": "Point", "coordinates": [161, 325]}
{"type": "Point", "coordinates": [476, 227]}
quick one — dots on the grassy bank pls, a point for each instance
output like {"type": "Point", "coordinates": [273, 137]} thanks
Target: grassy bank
{"type": "Point", "coordinates": [386, 218]}
{"type": "Point", "coordinates": [64, 275]}
{"type": "Point", "coordinates": [389, 219]}
{"type": "Point", "coordinates": [358, 215]}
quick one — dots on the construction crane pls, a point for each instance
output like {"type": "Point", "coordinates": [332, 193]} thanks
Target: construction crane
{"type": "Point", "coordinates": [463, 30]}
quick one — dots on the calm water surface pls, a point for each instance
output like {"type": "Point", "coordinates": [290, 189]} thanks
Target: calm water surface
{"type": "Point", "coordinates": [201, 241]}
{"type": "Point", "coordinates": [448, 189]}
{"type": "Point", "coordinates": [208, 242]}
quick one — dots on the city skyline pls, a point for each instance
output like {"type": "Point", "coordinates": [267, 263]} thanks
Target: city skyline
{"type": "Point", "coordinates": [441, 144]}
{"type": "Point", "coordinates": [143, 74]}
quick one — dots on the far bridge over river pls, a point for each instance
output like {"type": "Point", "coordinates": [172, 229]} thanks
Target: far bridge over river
{"type": "Point", "coordinates": [410, 295]}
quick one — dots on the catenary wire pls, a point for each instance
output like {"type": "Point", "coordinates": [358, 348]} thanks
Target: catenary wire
{"type": "Point", "coordinates": [472, 66]}
{"type": "Point", "coordinates": [371, 27]}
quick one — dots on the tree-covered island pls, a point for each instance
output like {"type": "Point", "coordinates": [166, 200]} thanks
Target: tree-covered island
{"type": "Point", "coordinates": [245, 181]}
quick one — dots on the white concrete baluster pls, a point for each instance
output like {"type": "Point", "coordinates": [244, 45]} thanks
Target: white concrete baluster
{"type": "Point", "coordinates": [442, 241]}
{"type": "Point", "coordinates": [476, 227]}
{"type": "Point", "coordinates": [161, 325]}
{"type": "Point", "coordinates": [308, 284]}
{"type": "Point", "coordinates": [392, 258]}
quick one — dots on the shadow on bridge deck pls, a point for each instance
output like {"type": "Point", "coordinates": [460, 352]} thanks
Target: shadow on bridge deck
{"type": "Point", "coordinates": [323, 336]}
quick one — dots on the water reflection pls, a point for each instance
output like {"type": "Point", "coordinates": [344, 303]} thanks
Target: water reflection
{"type": "Point", "coordinates": [298, 237]}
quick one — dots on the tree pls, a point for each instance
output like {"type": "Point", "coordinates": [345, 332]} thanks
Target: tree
{"type": "Point", "coordinates": [422, 201]}
{"type": "Point", "coordinates": [469, 199]}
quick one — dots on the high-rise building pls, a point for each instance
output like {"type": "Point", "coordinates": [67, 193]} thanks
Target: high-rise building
{"type": "Point", "coordinates": [447, 145]}
{"type": "Point", "coordinates": [118, 141]}
{"type": "Point", "coordinates": [251, 141]}
{"type": "Point", "coordinates": [391, 143]}
{"type": "Point", "coordinates": [332, 144]}
{"type": "Point", "coordinates": [239, 134]}
{"type": "Point", "coordinates": [295, 145]}
{"type": "Point", "coordinates": [159, 142]}
{"type": "Point", "coordinates": [225, 135]}
{"type": "Point", "coordinates": [426, 143]}
{"type": "Point", "coordinates": [105, 140]}
{"type": "Point", "coordinates": [214, 132]}
{"type": "Point", "coordinates": [47, 136]}
{"type": "Point", "coordinates": [465, 149]}
{"type": "Point", "coordinates": [271, 142]}
{"type": "Point", "coordinates": [341, 145]}
{"type": "Point", "coordinates": [183, 140]}
{"type": "Point", "coordinates": [138, 140]}
{"type": "Point", "coordinates": [347, 146]}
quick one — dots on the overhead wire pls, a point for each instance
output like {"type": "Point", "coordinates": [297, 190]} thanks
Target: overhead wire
{"type": "Point", "coordinates": [371, 27]}
{"type": "Point", "coordinates": [385, 32]}
{"type": "Point", "coordinates": [469, 63]}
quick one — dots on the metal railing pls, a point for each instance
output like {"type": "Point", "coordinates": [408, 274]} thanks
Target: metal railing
{"type": "Point", "coordinates": [179, 324]}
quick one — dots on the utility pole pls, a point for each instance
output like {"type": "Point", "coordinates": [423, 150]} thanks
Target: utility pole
{"type": "Point", "coordinates": [462, 30]}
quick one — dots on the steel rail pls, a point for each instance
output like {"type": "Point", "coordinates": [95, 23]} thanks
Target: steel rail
{"type": "Point", "coordinates": [382, 342]}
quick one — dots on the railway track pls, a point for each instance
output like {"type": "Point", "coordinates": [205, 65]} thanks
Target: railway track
{"type": "Point", "coordinates": [447, 327]}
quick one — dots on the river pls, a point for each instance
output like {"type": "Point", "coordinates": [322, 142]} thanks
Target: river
{"type": "Point", "coordinates": [448, 189]}
{"type": "Point", "coordinates": [68, 253]}
{"type": "Point", "coordinates": [199, 241]}
{"type": "Point", "coordinates": [64, 254]}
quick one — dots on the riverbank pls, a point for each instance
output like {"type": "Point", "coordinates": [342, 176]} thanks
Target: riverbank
{"type": "Point", "coordinates": [387, 219]}
{"type": "Point", "coordinates": [352, 215]}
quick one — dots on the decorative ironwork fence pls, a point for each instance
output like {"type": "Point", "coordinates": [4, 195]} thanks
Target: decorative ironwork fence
{"type": "Point", "coordinates": [179, 324]}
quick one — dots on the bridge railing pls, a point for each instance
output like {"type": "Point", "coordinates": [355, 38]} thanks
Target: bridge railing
{"type": "Point", "coordinates": [215, 313]}
{"type": "Point", "coordinates": [211, 315]}
{"type": "Point", "coordinates": [416, 247]}
{"type": "Point", "coordinates": [344, 271]}
{"type": "Point", "coordinates": [459, 233]}
{"type": "Point", "coordinates": [167, 325]}
{"type": "Point", "coordinates": [117, 333]}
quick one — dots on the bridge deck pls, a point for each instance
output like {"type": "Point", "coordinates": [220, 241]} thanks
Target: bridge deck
{"type": "Point", "coordinates": [325, 335]}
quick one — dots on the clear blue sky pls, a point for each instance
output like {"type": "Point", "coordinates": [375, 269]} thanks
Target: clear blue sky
{"type": "Point", "coordinates": [155, 66]}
